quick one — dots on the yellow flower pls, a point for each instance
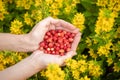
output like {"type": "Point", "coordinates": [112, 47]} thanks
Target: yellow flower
{"type": "Point", "coordinates": [8, 1]}
{"type": "Point", "coordinates": [74, 2]}
{"type": "Point", "coordinates": [68, 9]}
{"type": "Point", "coordinates": [118, 32]}
{"type": "Point", "coordinates": [59, 2]}
{"type": "Point", "coordinates": [82, 65]}
{"type": "Point", "coordinates": [19, 3]}
{"type": "Point", "coordinates": [1, 67]}
{"type": "Point", "coordinates": [105, 50]}
{"type": "Point", "coordinates": [54, 10]}
{"type": "Point", "coordinates": [1, 16]}
{"type": "Point", "coordinates": [76, 67]}
{"type": "Point", "coordinates": [2, 5]}
{"type": "Point", "coordinates": [88, 41]}
{"type": "Point", "coordinates": [27, 19]}
{"type": "Point", "coordinates": [78, 21]}
{"type": "Point", "coordinates": [37, 15]}
{"type": "Point", "coordinates": [72, 64]}
{"type": "Point", "coordinates": [92, 54]}
{"type": "Point", "coordinates": [105, 22]}
{"type": "Point", "coordinates": [85, 78]}
{"type": "Point", "coordinates": [16, 26]}
{"type": "Point", "coordinates": [102, 2]}
{"type": "Point", "coordinates": [115, 48]}
{"type": "Point", "coordinates": [38, 3]}
{"type": "Point", "coordinates": [24, 3]}
{"type": "Point", "coordinates": [54, 72]}
{"type": "Point", "coordinates": [114, 5]}
{"type": "Point", "coordinates": [109, 61]}
{"type": "Point", "coordinates": [94, 69]}
{"type": "Point", "coordinates": [76, 74]}
{"type": "Point", "coordinates": [116, 67]}
{"type": "Point", "coordinates": [84, 56]}
{"type": "Point", "coordinates": [2, 10]}
{"type": "Point", "coordinates": [49, 2]}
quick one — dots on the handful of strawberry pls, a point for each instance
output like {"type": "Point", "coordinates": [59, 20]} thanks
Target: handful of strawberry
{"type": "Point", "coordinates": [57, 42]}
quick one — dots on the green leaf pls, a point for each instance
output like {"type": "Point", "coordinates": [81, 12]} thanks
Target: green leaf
{"type": "Point", "coordinates": [82, 47]}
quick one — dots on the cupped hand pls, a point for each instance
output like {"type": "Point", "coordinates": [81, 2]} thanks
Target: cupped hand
{"type": "Point", "coordinates": [42, 60]}
{"type": "Point", "coordinates": [37, 33]}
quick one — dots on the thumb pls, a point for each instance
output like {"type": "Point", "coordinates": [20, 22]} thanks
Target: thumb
{"type": "Point", "coordinates": [68, 55]}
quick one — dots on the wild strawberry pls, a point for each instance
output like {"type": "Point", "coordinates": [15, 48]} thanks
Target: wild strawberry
{"type": "Point", "coordinates": [57, 42]}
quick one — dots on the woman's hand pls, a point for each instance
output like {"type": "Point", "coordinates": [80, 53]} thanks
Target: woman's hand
{"type": "Point", "coordinates": [41, 59]}
{"type": "Point", "coordinates": [38, 32]}
{"type": "Point", "coordinates": [30, 42]}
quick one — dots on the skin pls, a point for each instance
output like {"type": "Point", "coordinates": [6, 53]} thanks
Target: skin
{"type": "Point", "coordinates": [38, 60]}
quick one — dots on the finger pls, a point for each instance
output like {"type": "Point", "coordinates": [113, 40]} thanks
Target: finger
{"type": "Point", "coordinates": [65, 25]}
{"type": "Point", "coordinates": [76, 41]}
{"type": "Point", "coordinates": [43, 25]}
{"type": "Point", "coordinates": [76, 30]}
{"type": "Point", "coordinates": [68, 55]}
{"type": "Point", "coordinates": [37, 52]}
{"type": "Point", "coordinates": [52, 27]}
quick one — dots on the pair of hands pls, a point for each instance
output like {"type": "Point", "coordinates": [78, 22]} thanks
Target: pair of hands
{"type": "Point", "coordinates": [37, 35]}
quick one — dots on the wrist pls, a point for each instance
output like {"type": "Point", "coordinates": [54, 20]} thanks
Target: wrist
{"type": "Point", "coordinates": [37, 62]}
{"type": "Point", "coordinates": [27, 43]}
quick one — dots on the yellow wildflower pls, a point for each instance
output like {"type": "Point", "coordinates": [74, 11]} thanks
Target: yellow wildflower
{"type": "Point", "coordinates": [38, 3]}
{"type": "Point", "coordinates": [68, 9]}
{"type": "Point", "coordinates": [116, 67]}
{"type": "Point", "coordinates": [85, 78]}
{"type": "Point", "coordinates": [37, 15]}
{"type": "Point", "coordinates": [8, 1]}
{"type": "Point", "coordinates": [114, 48]}
{"type": "Point", "coordinates": [114, 5]}
{"type": "Point", "coordinates": [54, 9]}
{"type": "Point", "coordinates": [2, 10]}
{"type": "Point", "coordinates": [24, 3]}
{"type": "Point", "coordinates": [54, 72]}
{"type": "Point", "coordinates": [118, 54]}
{"type": "Point", "coordinates": [74, 2]}
{"type": "Point", "coordinates": [16, 26]}
{"type": "Point", "coordinates": [82, 65]}
{"type": "Point", "coordinates": [88, 41]}
{"type": "Point", "coordinates": [92, 54]}
{"type": "Point", "coordinates": [79, 57]}
{"type": "Point", "coordinates": [84, 56]}
{"type": "Point", "coordinates": [94, 69]}
{"type": "Point", "coordinates": [49, 2]}
{"type": "Point", "coordinates": [109, 61]}
{"type": "Point", "coordinates": [77, 67]}
{"type": "Point", "coordinates": [1, 67]}
{"type": "Point", "coordinates": [60, 3]}
{"type": "Point", "coordinates": [54, 12]}
{"type": "Point", "coordinates": [19, 3]}
{"type": "Point", "coordinates": [2, 5]}
{"type": "Point", "coordinates": [1, 16]}
{"type": "Point", "coordinates": [78, 21]}
{"type": "Point", "coordinates": [76, 74]}
{"type": "Point", "coordinates": [105, 22]}
{"type": "Point", "coordinates": [102, 2]}
{"type": "Point", "coordinates": [118, 32]}
{"type": "Point", "coordinates": [72, 64]}
{"type": "Point", "coordinates": [104, 50]}
{"type": "Point", "coordinates": [27, 19]}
